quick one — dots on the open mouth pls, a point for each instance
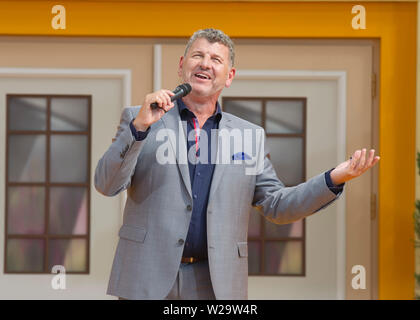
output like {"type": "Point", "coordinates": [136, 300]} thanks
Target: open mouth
{"type": "Point", "coordinates": [202, 76]}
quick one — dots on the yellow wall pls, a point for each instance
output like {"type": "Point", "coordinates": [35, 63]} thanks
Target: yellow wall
{"type": "Point", "coordinates": [416, 173]}
{"type": "Point", "coordinates": [393, 23]}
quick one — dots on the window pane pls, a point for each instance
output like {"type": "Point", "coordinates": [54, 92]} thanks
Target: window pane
{"type": "Point", "coordinates": [26, 210]}
{"type": "Point", "coordinates": [69, 158]}
{"type": "Point", "coordinates": [68, 210]}
{"type": "Point", "coordinates": [273, 230]}
{"type": "Point", "coordinates": [286, 156]}
{"type": "Point", "coordinates": [254, 257]}
{"type": "Point", "coordinates": [249, 110]}
{"type": "Point", "coordinates": [26, 159]}
{"type": "Point", "coordinates": [69, 253]}
{"type": "Point", "coordinates": [254, 229]}
{"type": "Point", "coordinates": [284, 116]}
{"type": "Point", "coordinates": [25, 255]}
{"type": "Point", "coordinates": [283, 257]}
{"type": "Point", "coordinates": [69, 114]}
{"type": "Point", "coordinates": [27, 113]}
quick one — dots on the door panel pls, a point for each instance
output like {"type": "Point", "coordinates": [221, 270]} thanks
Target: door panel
{"type": "Point", "coordinates": [320, 280]}
{"type": "Point", "coordinates": [107, 99]}
{"type": "Point", "coordinates": [355, 58]}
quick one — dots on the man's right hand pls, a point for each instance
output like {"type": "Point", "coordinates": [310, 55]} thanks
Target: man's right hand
{"type": "Point", "coordinates": [147, 116]}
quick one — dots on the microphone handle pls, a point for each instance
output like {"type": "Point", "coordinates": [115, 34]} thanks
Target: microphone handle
{"type": "Point", "coordinates": [178, 94]}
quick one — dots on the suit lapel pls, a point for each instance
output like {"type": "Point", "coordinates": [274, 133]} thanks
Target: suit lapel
{"type": "Point", "coordinates": [173, 123]}
{"type": "Point", "coordinates": [226, 124]}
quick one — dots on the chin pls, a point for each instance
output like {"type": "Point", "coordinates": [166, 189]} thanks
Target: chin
{"type": "Point", "coordinates": [200, 92]}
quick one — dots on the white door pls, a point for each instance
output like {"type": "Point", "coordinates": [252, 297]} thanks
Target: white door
{"type": "Point", "coordinates": [323, 60]}
{"type": "Point", "coordinates": [107, 101]}
{"type": "Point", "coordinates": [324, 250]}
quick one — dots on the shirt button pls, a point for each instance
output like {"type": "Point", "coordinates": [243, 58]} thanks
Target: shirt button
{"type": "Point", "coordinates": [189, 207]}
{"type": "Point", "coordinates": [181, 242]}
{"type": "Point", "coordinates": [195, 196]}
{"type": "Point", "coordinates": [198, 173]}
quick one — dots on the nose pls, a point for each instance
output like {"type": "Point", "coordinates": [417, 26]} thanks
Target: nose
{"type": "Point", "coordinates": [205, 62]}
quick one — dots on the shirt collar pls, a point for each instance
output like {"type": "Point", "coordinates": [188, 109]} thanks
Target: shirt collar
{"type": "Point", "coordinates": [184, 112]}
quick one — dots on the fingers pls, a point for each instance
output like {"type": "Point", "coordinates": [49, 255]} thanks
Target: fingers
{"type": "Point", "coordinates": [361, 161]}
{"type": "Point", "coordinates": [167, 94]}
{"type": "Point", "coordinates": [369, 162]}
{"type": "Point", "coordinates": [355, 159]}
{"type": "Point", "coordinates": [375, 160]}
{"type": "Point", "coordinates": [167, 97]}
{"type": "Point", "coordinates": [148, 115]}
{"type": "Point", "coordinates": [162, 98]}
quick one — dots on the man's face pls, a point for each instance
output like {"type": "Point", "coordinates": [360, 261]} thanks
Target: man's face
{"type": "Point", "coordinates": [206, 67]}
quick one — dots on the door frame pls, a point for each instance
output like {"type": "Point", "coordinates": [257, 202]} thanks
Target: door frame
{"type": "Point", "coordinates": [340, 76]}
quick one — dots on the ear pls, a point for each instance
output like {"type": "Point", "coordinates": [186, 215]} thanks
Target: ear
{"type": "Point", "coordinates": [181, 62]}
{"type": "Point", "coordinates": [230, 77]}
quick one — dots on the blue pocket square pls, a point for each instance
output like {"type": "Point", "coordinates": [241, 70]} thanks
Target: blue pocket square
{"type": "Point", "coordinates": [241, 156]}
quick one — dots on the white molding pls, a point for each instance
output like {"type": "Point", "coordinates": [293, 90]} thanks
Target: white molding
{"type": "Point", "coordinates": [124, 74]}
{"type": "Point", "coordinates": [290, 74]}
{"type": "Point", "coordinates": [157, 67]}
{"type": "Point", "coordinates": [341, 78]}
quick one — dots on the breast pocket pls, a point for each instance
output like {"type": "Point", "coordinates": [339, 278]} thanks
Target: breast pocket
{"type": "Point", "coordinates": [243, 249]}
{"type": "Point", "coordinates": [132, 233]}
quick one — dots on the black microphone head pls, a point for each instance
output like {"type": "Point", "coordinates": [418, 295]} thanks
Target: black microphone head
{"type": "Point", "coordinates": [185, 88]}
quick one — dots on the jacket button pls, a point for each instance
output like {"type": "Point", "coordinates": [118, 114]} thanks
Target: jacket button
{"type": "Point", "coordinates": [181, 242]}
{"type": "Point", "coordinates": [189, 207]}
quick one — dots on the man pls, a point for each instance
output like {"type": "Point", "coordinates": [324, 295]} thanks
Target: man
{"type": "Point", "coordinates": [184, 234]}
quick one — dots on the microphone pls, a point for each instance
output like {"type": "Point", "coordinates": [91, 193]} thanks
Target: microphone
{"type": "Point", "coordinates": [181, 91]}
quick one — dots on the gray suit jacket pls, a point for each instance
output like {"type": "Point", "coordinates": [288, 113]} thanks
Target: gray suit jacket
{"type": "Point", "coordinates": [159, 206]}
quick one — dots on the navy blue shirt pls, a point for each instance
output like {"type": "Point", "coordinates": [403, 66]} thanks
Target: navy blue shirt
{"type": "Point", "coordinates": [201, 174]}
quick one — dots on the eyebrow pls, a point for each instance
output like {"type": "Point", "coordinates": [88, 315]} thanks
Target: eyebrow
{"type": "Point", "coordinates": [213, 55]}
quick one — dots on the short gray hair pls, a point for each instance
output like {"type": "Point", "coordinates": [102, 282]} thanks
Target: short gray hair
{"type": "Point", "coordinates": [212, 36]}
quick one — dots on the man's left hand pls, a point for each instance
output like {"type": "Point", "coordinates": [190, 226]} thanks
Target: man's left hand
{"type": "Point", "coordinates": [354, 167]}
